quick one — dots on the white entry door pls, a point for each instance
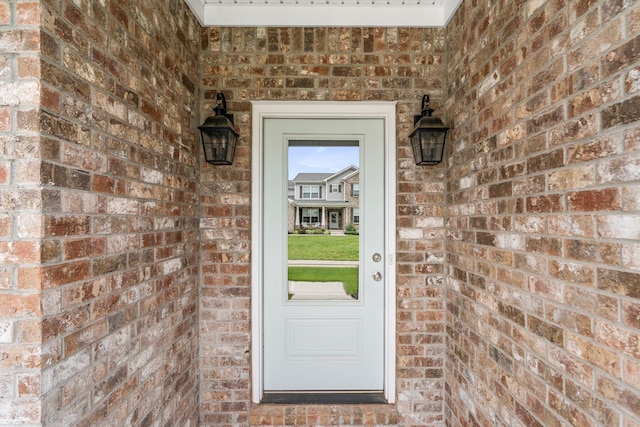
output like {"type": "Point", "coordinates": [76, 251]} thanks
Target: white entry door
{"type": "Point", "coordinates": [333, 220]}
{"type": "Point", "coordinates": [316, 343]}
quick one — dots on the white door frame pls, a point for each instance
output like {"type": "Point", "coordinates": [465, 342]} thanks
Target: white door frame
{"type": "Point", "coordinates": [322, 109]}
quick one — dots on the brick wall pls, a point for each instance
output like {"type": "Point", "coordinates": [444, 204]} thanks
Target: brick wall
{"type": "Point", "coordinates": [21, 199]}
{"type": "Point", "coordinates": [335, 64]}
{"type": "Point", "coordinates": [543, 214]}
{"type": "Point", "coordinates": [101, 185]}
{"type": "Point", "coordinates": [100, 219]}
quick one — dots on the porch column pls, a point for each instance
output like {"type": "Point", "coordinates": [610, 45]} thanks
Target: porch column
{"type": "Point", "coordinates": [297, 216]}
{"type": "Point", "coordinates": [323, 221]}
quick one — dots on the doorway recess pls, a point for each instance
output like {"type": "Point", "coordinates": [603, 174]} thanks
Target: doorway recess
{"type": "Point", "coordinates": [261, 111]}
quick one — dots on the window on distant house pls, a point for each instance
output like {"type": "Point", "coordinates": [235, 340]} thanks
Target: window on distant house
{"type": "Point", "coordinates": [309, 191]}
{"type": "Point", "coordinates": [355, 189]}
{"type": "Point", "coordinates": [310, 215]}
{"type": "Point", "coordinates": [335, 188]}
{"type": "Point", "coordinates": [356, 215]}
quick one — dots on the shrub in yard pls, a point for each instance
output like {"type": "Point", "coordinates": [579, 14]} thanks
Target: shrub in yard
{"type": "Point", "coordinates": [350, 229]}
{"type": "Point", "coordinates": [316, 231]}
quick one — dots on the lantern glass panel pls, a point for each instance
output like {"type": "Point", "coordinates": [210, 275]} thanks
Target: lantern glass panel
{"type": "Point", "coordinates": [428, 146]}
{"type": "Point", "coordinates": [219, 145]}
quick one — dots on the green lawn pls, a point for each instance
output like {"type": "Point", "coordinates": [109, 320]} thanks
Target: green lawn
{"type": "Point", "coordinates": [347, 275]}
{"type": "Point", "coordinates": [324, 247]}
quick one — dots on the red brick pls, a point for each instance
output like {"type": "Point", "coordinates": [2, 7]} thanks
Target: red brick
{"type": "Point", "coordinates": [30, 278]}
{"type": "Point", "coordinates": [607, 360]}
{"type": "Point", "coordinates": [28, 13]}
{"type": "Point", "coordinates": [20, 305]}
{"type": "Point", "coordinates": [594, 200]}
{"type": "Point", "coordinates": [627, 398]}
{"type": "Point", "coordinates": [624, 341]}
{"type": "Point", "coordinates": [572, 225]}
{"type": "Point", "coordinates": [66, 273]}
{"type": "Point", "coordinates": [28, 67]}
{"type": "Point", "coordinates": [5, 119]}
{"type": "Point", "coordinates": [5, 226]}
{"type": "Point", "coordinates": [79, 339]}
{"type": "Point", "coordinates": [632, 372]}
{"type": "Point", "coordinates": [631, 314]}
{"type": "Point", "coordinates": [621, 57]}
{"type": "Point", "coordinates": [545, 161]}
{"type": "Point", "coordinates": [550, 203]}
{"type": "Point", "coordinates": [66, 225]}
{"type": "Point", "coordinates": [29, 385]}
{"type": "Point", "coordinates": [619, 282]}
{"type": "Point", "coordinates": [84, 247]}
{"type": "Point", "coordinates": [29, 331]}
{"type": "Point", "coordinates": [545, 120]}
{"type": "Point", "coordinates": [572, 178]}
{"type": "Point", "coordinates": [593, 99]}
{"type": "Point", "coordinates": [5, 14]}
{"type": "Point", "coordinates": [20, 252]}
{"type": "Point", "coordinates": [600, 147]}
{"type": "Point", "coordinates": [622, 113]}
{"type": "Point", "coordinates": [574, 273]}
{"type": "Point", "coordinates": [568, 411]}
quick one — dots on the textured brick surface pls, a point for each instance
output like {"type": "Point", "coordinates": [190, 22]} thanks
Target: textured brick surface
{"type": "Point", "coordinates": [122, 274]}
{"type": "Point", "coordinates": [350, 64]}
{"type": "Point", "coordinates": [98, 227]}
{"type": "Point", "coordinates": [21, 199]}
{"type": "Point", "coordinates": [124, 261]}
{"type": "Point", "coordinates": [541, 269]}
{"type": "Point", "coordinates": [324, 415]}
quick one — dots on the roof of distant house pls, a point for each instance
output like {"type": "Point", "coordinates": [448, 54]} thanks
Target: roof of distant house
{"type": "Point", "coordinates": [311, 177]}
{"type": "Point", "coordinates": [321, 176]}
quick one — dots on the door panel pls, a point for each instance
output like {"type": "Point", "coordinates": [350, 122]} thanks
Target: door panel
{"type": "Point", "coordinates": [335, 344]}
{"type": "Point", "coordinates": [322, 339]}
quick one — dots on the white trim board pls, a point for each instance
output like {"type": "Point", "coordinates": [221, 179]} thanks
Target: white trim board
{"type": "Point", "coordinates": [322, 109]}
{"type": "Point", "coordinates": [222, 13]}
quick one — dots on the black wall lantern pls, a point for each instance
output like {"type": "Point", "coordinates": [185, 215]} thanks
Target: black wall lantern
{"type": "Point", "coordinates": [428, 137]}
{"type": "Point", "coordinates": [219, 138]}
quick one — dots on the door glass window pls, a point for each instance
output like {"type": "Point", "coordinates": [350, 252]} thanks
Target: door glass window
{"type": "Point", "coordinates": [323, 251]}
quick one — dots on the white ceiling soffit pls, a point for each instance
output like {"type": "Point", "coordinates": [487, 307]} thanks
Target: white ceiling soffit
{"type": "Point", "coordinates": [323, 13]}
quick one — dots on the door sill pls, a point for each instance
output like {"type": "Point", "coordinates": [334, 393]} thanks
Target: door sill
{"type": "Point", "coordinates": [324, 398]}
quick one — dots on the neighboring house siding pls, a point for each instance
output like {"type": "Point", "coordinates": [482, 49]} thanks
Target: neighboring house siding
{"type": "Point", "coordinates": [335, 190]}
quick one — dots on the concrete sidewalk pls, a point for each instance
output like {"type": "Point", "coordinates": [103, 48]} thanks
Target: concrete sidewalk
{"type": "Point", "coordinates": [318, 291]}
{"type": "Point", "coordinates": [320, 263]}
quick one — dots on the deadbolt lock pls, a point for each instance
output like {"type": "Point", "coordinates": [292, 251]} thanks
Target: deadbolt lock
{"type": "Point", "coordinates": [376, 257]}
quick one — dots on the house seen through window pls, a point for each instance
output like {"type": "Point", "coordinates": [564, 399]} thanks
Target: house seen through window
{"type": "Point", "coordinates": [323, 220]}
